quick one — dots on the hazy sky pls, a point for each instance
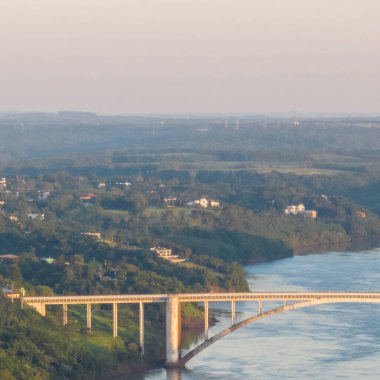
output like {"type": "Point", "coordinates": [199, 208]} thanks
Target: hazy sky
{"type": "Point", "coordinates": [186, 56]}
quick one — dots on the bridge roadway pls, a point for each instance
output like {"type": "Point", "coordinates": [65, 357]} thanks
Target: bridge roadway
{"type": "Point", "coordinates": [291, 301]}
{"type": "Point", "coordinates": [202, 297]}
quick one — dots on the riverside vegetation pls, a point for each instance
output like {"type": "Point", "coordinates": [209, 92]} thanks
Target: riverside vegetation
{"type": "Point", "coordinates": [130, 180]}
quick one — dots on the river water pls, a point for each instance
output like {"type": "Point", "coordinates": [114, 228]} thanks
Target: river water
{"type": "Point", "coordinates": [336, 341]}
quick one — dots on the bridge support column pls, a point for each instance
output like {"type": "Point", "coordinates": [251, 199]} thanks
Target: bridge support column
{"type": "Point", "coordinates": [64, 314]}
{"type": "Point", "coordinates": [232, 313]}
{"type": "Point", "coordinates": [179, 328]}
{"type": "Point", "coordinates": [141, 318]}
{"type": "Point", "coordinates": [89, 315]}
{"type": "Point", "coordinates": [260, 307]}
{"type": "Point", "coordinates": [115, 320]}
{"type": "Point", "coordinates": [206, 320]}
{"type": "Point", "coordinates": [172, 330]}
{"type": "Point", "coordinates": [41, 308]}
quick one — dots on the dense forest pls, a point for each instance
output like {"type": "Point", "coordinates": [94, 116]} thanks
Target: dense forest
{"type": "Point", "coordinates": [84, 198]}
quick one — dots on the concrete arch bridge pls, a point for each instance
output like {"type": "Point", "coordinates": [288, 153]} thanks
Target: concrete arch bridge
{"type": "Point", "coordinates": [289, 300]}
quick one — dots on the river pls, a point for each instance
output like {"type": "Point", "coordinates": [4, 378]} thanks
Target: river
{"type": "Point", "coordinates": [323, 342]}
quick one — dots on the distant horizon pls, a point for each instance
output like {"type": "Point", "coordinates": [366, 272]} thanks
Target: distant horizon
{"type": "Point", "coordinates": [127, 57]}
{"type": "Point", "coordinates": [205, 114]}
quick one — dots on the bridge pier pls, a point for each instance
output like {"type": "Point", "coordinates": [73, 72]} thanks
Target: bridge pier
{"type": "Point", "coordinates": [141, 320]}
{"type": "Point", "coordinates": [260, 307]}
{"type": "Point", "coordinates": [64, 314]}
{"type": "Point", "coordinates": [172, 331]}
{"type": "Point", "coordinates": [41, 308]}
{"type": "Point", "coordinates": [206, 319]}
{"type": "Point", "coordinates": [115, 320]}
{"type": "Point", "coordinates": [89, 315]}
{"type": "Point", "coordinates": [232, 313]}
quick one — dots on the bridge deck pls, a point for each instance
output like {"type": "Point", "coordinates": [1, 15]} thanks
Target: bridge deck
{"type": "Point", "coordinates": [212, 297]}
{"type": "Point", "coordinates": [59, 300]}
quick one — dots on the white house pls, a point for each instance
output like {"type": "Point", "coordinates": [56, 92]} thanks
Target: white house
{"type": "Point", "coordinates": [3, 183]}
{"type": "Point", "coordinates": [295, 209]}
{"type": "Point", "coordinates": [300, 209]}
{"type": "Point", "coordinates": [92, 234]}
{"type": "Point", "coordinates": [203, 202]}
{"type": "Point", "coordinates": [166, 254]}
{"type": "Point", "coordinates": [36, 216]}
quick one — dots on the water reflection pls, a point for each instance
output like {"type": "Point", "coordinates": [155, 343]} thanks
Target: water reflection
{"type": "Point", "coordinates": [173, 374]}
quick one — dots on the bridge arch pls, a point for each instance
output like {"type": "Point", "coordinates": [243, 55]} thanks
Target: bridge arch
{"type": "Point", "coordinates": [281, 309]}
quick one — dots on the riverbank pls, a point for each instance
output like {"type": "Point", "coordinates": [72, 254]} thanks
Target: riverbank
{"type": "Point", "coordinates": [359, 244]}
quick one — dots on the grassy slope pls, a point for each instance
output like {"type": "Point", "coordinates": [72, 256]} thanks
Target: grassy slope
{"type": "Point", "coordinates": [32, 347]}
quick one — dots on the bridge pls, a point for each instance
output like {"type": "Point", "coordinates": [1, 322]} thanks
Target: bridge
{"type": "Point", "coordinates": [289, 301]}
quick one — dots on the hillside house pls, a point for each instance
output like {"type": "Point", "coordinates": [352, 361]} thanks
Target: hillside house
{"type": "Point", "coordinates": [300, 209]}
{"type": "Point", "coordinates": [295, 209]}
{"type": "Point", "coordinates": [204, 203]}
{"type": "Point", "coordinates": [3, 183]}
{"type": "Point", "coordinates": [36, 216]}
{"type": "Point", "coordinates": [126, 184]}
{"type": "Point", "coordinates": [166, 254]}
{"type": "Point", "coordinates": [170, 201]}
{"type": "Point", "coordinates": [43, 195]}
{"type": "Point", "coordinates": [95, 235]}
{"type": "Point", "coordinates": [88, 197]}
{"type": "Point", "coordinates": [361, 214]}
{"type": "Point", "coordinates": [310, 214]}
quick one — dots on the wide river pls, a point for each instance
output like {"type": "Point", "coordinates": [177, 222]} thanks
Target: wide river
{"type": "Point", "coordinates": [336, 341]}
